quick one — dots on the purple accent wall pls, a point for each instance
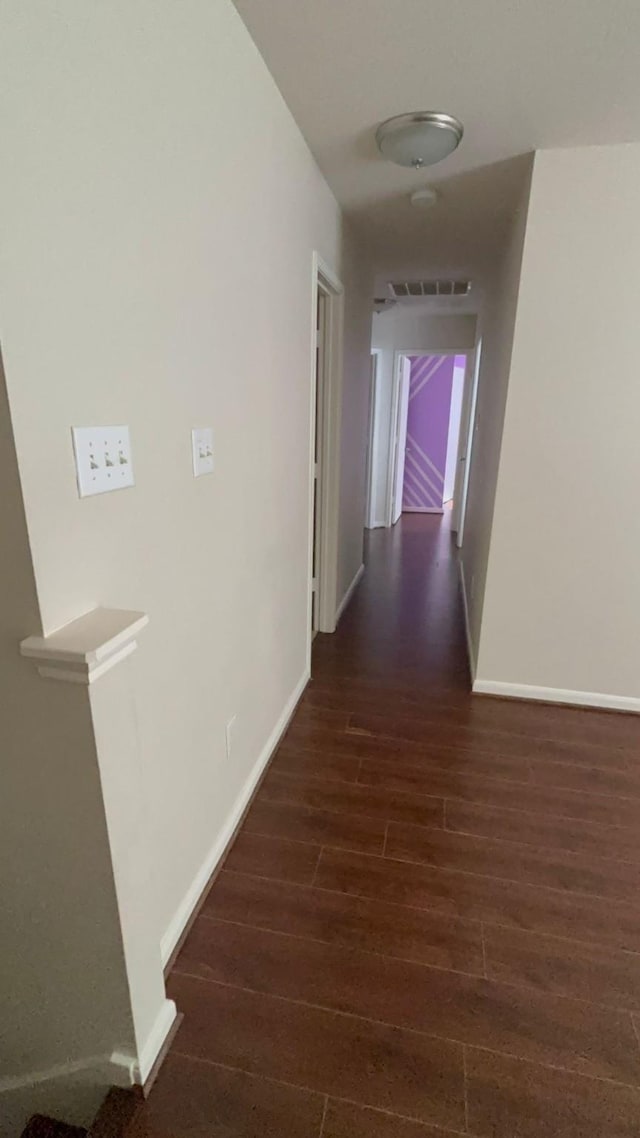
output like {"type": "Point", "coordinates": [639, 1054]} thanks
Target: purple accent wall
{"type": "Point", "coordinates": [427, 431]}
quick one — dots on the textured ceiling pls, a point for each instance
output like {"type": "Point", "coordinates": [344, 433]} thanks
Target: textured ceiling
{"type": "Point", "coordinates": [521, 74]}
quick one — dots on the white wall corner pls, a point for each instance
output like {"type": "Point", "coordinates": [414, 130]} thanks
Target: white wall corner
{"type": "Point", "coordinates": [349, 593]}
{"type": "Point", "coordinates": [467, 626]}
{"type": "Point", "coordinates": [219, 848]}
{"type": "Point", "coordinates": [558, 695]}
{"type": "Point", "coordinates": [136, 1071]}
{"type": "Point", "coordinates": [83, 650]}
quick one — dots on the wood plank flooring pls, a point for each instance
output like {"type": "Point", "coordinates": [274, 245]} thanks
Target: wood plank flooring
{"type": "Point", "coordinates": [429, 925]}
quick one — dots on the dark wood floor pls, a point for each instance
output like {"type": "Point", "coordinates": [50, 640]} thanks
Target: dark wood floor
{"type": "Point", "coordinates": [430, 922]}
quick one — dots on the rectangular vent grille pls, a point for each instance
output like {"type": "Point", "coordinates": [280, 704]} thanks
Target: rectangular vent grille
{"type": "Point", "coordinates": [429, 288]}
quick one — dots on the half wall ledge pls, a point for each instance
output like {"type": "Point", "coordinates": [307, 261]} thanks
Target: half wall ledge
{"type": "Point", "coordinates": [83, 650]}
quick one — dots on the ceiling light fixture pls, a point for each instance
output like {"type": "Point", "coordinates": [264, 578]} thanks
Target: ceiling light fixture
{"type": "Point", "coordinates": [418, 139]}
{"type": "Point", "coordinates": [423, 199]}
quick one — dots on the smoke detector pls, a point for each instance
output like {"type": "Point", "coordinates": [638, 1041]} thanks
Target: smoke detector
{"type": "Point", "coordinates": [424, 199]}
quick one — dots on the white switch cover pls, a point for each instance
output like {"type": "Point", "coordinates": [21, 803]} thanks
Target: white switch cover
{"type": "Point", "coordinates": [202, 444]}
{"type": "Point", "coordinates": [103, 459]}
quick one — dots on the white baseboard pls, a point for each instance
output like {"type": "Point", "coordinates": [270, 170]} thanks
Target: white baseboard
{"type": "Point", "coordinates": [60, 1071]}
{"type": "Point", "coordinates": [558, 695]}
{"type": "Point", "coordinates": [137, 1072]}
{"type": "Point", "coordinates": [119, 1069]}
{"type": "Point", "coordinates": [181, 917]}
{"type": "Point", "coordinates": [113, 1070]}
{"type": "Point", "coordinates": [467, 625]}
{"type": "Point", "coordinates": [423, 509]}
{"type": "Point", "coordinates": [349, 593]}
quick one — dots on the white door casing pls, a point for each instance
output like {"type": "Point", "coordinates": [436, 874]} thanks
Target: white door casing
{"type": "Point", "coordinates": [369, 519]}
{"type": "Point", "coordinates": [325, 282]}
{"type": "Point", "coordinates": [400, 445]}
{"type": "Point", "coordinates": [467, 428]}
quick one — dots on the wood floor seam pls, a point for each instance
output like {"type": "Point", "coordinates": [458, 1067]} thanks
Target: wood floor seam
{"type": "Point", "coordinates": [600, 859]}
{"type": "Point", "coordinates": [316, 940]}
{"type": "Point", "coordinates": [434, 910]}
{"type": "Point", "coordinates": [421, 796]}
{"type": "Point", "coordinates": [401, 1028]}
{"type": "Point", "coordinates": [578, 857]}
{"type": "Point", "coordinates": [465, 1088]}
{"type": "Point", "coordinates": [324, 1116]}
{"type": "Point", "coordinates": [382, 856]}
{"type": "Point", "coordinates": [432, 1126]}
{"type": "Point", "coordinates": [243, 1070]}
{"type": "Point", "coordinates": [316, 868]}
{"type": "Point", "coordinates": [295, 746]}
{"type": "Point", "coordinates": [310, 1090]}
{"type": "Point", "coordinates": [635, 1023]}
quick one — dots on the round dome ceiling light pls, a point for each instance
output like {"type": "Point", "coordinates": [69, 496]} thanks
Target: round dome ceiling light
{"type": "Point", "coordinates": [423, 199]}
{"type": "Point", "coordinates": [418, 139]}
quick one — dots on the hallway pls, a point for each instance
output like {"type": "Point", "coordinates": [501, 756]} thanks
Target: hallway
{"type": "Point", "coordinates": [429, 922]}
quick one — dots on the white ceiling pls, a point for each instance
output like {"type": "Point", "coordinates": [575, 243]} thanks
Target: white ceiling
{"type": "Point", "coordinates": [521, 74]}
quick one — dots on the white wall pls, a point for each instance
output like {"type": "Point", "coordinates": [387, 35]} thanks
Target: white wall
{"type": "Point", "coordinates": [412, 329]}
{"type": "Point", "coordinates": [159, 209]}
{"type": "Point", "coordinates": [495, 329]}
{"type": "Point", "coordinates": [60, 928]}
{"type": "Point", "coordinates": [561, 609]}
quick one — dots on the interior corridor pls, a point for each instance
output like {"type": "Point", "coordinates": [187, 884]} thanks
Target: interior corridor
{"type": "Point", "coordinates": [429, 922]}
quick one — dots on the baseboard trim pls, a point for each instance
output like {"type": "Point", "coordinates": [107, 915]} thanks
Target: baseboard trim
{"type": "Point", "coordinates": [117, 1069]}
{"type": "Point", "coordinates": [423, 509]}
{"type": "Point", "coordinates": [189, 905]}
{"type": "Point", "coordinates": [349, 593]}
{"type": "Point", "coordinates": [112, 1069]}
{"type": "Point", "coordinates": [155, 1042]}
{"type": "Point", "coordinates": [558, 695]}
{"type": "Point", "coordinates": [467, 626]}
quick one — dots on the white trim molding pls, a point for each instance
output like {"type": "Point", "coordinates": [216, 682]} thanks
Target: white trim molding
{"type": "Point", "coordinates": [82, 651]}
{"type": "Point", "coordinates": [219, 848]}
{"type": "Point", "coordinates": [349, 593]}
{"type": "Point", "coordinates": [467, 626]}
{"type": "Point", "coordinates": [558, 695]}
{"type": "Point", "coordinates": [108, 1067]}
{"type": "Point", "coordinates": [136, 1072]}
{"type": "Point", "coordinates": [324, 280]}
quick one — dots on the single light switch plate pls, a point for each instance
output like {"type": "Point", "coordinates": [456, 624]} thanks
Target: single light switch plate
{"type": "Point", "coordinates": [103, 459]}
{"type": "Point", "coordinates": [202, 444]}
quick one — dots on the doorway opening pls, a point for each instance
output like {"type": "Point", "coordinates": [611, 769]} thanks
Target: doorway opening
{"type": "Point", "coordinates": [324, 481]}
{"type": "Point", "coordinates": [431, 429]}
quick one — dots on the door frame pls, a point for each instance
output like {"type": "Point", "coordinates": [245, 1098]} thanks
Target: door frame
{"type": "Point", "coordinates": [325, 281]}
{"type": "Point", "coordinates": [465, 441]}
{"type": "Point", "coordinates": [393, 432]}
{"type": "Point", "coordinates": [369, 520]}
{"type": "Point", "coordinates": [468, 407]}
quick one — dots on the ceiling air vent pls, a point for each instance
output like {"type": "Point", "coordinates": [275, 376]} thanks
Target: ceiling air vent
{"type": "Point", "coordinates": [429, 288]}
